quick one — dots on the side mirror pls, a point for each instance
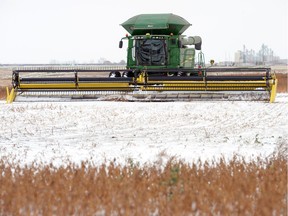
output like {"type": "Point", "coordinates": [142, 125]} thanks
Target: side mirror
{"type": "Point", "coordinates": [179, 44]}
{"type": "Point", "coordinates": [120, 44]}
{"type": "Point", "coordinates": [198, 46]}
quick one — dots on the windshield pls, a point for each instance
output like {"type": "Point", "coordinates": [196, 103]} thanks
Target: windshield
{"type": "Point", "coordinates": [151, 52]}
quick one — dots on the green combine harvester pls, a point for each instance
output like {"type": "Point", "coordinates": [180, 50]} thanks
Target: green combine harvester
{"type": "Point", "coordinates": [162, 65]}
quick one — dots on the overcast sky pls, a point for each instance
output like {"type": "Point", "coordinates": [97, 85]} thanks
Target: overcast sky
{"type": "Point", "coordinates": [38, 31]}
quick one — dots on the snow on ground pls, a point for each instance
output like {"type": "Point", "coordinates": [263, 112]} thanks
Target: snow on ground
{"type": "Point", "coordinates": [139, 132]}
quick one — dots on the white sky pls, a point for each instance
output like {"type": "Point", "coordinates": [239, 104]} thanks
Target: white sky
{"type": "Point", "coordinates": [38, 31]}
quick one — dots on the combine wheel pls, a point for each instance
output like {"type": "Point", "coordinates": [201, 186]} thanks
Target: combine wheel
{"type": "Point", "coordinates": [114, 74]}
{"type": "Point", "coordinates": [180, 73]}
{"type": "Point", "coordinates": [171, 73]}
{"type": "Point", "coordinates": [127, 74]}
{"type": "Point", "coordinates": [15, 78]}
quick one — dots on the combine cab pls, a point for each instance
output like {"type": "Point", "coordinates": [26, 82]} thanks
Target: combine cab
{"type": "Point", "coordinates": [160, 66]}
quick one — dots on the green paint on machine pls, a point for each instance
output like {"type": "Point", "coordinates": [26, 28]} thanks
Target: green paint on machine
{"type": "Point", "coordinates": [156, 42]}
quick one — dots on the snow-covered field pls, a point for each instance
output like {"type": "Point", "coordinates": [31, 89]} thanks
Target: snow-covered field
{"type": "Point", "coordinates": [139, 132]}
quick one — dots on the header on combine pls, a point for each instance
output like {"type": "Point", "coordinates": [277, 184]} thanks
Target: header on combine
{"type": "Point", "coordinates": [161, 66]}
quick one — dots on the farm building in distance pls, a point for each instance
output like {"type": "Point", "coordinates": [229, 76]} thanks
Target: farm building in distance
{"type": "Point", "coordinates": [250, 57]}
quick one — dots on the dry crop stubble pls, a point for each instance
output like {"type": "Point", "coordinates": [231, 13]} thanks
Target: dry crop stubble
{"type": "Point", "coordinates": [224, 188]}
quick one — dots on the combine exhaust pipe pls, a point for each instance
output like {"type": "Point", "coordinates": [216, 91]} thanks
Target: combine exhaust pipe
{"type": "Point", "coordinates": [196, 40]}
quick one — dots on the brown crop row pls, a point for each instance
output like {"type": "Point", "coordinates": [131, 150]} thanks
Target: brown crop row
{"type": "Point", "coordinates": [3, 93]}
{"type": "Point", "coordinates": [234, 188]}
{"type": "Point", "coordinates": [282, 82]}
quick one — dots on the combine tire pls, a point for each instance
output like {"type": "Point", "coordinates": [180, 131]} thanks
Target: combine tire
{"type": "Point", "coordinates": [127, 74]}
{"type": "Point", "coordinates": [114, 74]}
{"type": "Point", "coordinates": [180, 73]}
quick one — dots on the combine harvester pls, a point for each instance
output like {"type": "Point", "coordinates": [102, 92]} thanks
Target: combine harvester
{"type": "Point", "coordinates": [161, 66]}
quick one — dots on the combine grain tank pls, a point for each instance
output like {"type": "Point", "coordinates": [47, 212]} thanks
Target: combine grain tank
{"type": "Point", "coordinates": [161, 66]}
